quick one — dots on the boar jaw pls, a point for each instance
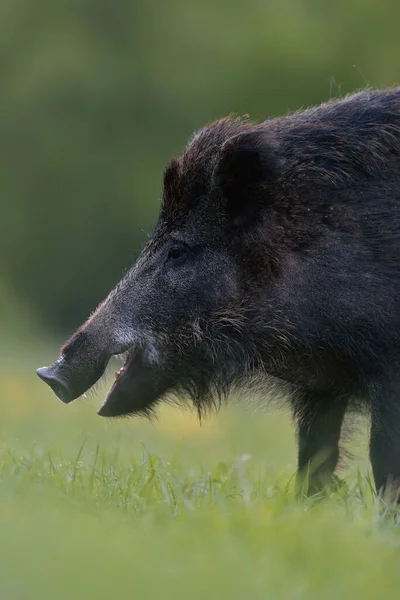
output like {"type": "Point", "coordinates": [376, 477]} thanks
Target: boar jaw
{"type": "Point", "coordinates": [137, 387]}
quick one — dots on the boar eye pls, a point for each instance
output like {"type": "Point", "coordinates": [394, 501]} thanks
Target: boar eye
{"type": "Point", "coordinates": [177, 256]}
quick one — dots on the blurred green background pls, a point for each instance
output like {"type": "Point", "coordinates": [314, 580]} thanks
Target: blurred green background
{"type": "Point", "coordinates": [97, 95]}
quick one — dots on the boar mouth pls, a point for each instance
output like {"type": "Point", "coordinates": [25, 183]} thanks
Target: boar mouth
{"type": "Point", "coordinates": [137, 387]}
{"type": "Point", "coordinates": [112, 405]}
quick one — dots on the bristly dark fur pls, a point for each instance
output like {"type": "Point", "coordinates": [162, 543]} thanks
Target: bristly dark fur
{"type": "Point", "coordinates": [188, 177]}
{"type": "Point", "coordinates": [225, 354]}
{"type": "Point", "coordinates": [276, 254]}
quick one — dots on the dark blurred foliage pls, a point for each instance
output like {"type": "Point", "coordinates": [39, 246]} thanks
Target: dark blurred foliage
{"type": "Point", "coordinates": [97, 95]}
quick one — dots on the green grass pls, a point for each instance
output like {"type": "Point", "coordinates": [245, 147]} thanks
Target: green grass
{"type": "Point", "coordinates": [97, 509]}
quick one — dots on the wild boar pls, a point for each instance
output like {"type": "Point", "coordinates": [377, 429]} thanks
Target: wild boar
{"type": "Point", "coordinates": [276, 253]}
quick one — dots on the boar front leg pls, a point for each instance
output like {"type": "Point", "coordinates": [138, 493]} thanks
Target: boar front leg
{"type": "Point", "coordinates": [319, 417]}
{"type": "Point", "coordinates": [385, 436]}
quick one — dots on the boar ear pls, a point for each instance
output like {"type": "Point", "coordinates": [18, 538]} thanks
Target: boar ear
{"type": "Point", "coordinates": [249, 166]}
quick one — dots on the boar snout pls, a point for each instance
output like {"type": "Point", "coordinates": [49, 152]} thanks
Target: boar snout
{"type": "Point", "coordinates": [69, 383]}
{"type": "Point", "coordinates": [55, 378]}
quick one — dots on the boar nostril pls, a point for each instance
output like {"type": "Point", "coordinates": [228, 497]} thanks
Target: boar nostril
{"type": "Point", "coordinates": [58, 386]}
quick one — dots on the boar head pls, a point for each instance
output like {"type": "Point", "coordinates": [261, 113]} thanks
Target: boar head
{"type": "Point", "coordinates": [191, 316]}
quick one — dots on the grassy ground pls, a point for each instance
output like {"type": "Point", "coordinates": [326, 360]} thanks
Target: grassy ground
{"type": "Point", "coordinates": [97, 509]}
